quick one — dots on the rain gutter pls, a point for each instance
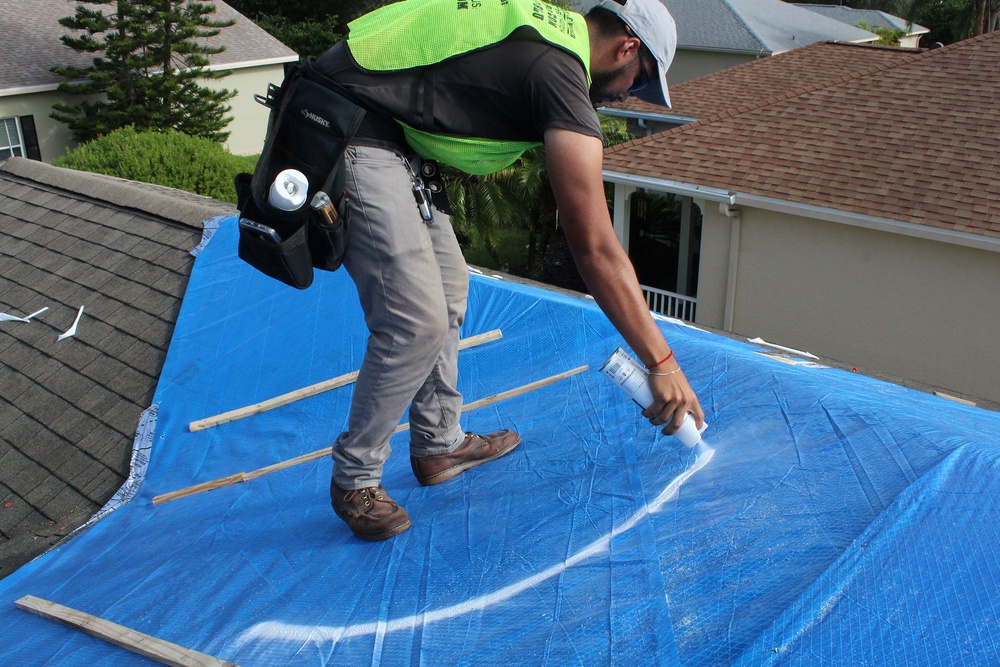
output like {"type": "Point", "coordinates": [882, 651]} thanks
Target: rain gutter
{"type": "Point", "coordinates": [645, 115]}
{"type": "Point", "coordinates": [676, 187]}
{"type": "Point", "coordinates": [722, 196]}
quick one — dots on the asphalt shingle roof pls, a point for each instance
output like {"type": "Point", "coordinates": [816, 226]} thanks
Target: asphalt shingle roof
{"type": "Point", "coordinates": [917, 141]}
{"type": "Point", "coordinates": [32, 46]}
{"type": "Point", "coordinates": [873, 17]}
{"type": "Point", "coordinates": [69, 409]}
{"type": "Point", "coordinates": [760, 80]}
{"type": "Point", "coordinates": [756, 26]}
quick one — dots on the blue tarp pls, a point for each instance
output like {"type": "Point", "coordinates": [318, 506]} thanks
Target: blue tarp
{"type": "Point", "coordinates": [831, 518]}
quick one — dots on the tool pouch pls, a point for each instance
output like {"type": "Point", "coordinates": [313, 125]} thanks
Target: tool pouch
{"type": "Point", "coordinates": [309, 128]}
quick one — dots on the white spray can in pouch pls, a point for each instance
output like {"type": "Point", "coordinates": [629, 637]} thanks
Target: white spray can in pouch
{"type": "Point", "coordinates": [633, 379]}
{"type": "Point", "coordinates": [289, 190]}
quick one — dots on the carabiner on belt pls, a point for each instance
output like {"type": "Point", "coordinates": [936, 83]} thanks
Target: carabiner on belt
{"type": "Point", "coordinates": [421, 193]}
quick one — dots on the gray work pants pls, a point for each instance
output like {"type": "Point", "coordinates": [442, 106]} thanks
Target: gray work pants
{"type": "Point", "coordinates": [413, 282]}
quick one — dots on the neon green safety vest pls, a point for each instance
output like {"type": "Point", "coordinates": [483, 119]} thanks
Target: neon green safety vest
{"type": "Point", "coordinates": [417, 33]}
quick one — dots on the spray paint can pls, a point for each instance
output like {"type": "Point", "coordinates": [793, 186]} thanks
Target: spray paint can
{"type": "Point", "coordinates": [289, 190]}
{"type": "Point", "coordinates": [632, 378]}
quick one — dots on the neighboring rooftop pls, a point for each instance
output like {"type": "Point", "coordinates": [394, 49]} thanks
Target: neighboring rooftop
{"type": "Point", "coordinates": [872, 17]}
{"type": "Point", "coordinates": [32, 43]}
{"type": "Point", "coordinates": [768, 78]}
{"type": "Point", "coordinates": [69, 409]}
{"type": "Point", "coordinates": [916, 140]}
{"type": "Point", "coordinates": [755, 26]}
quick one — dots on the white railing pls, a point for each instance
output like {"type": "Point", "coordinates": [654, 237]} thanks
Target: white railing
{"type": "Point", "coordinates": [670, 304]}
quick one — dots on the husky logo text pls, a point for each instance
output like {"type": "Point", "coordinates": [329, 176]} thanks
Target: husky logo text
{"type": "Point", "coordinates": [309, 115]}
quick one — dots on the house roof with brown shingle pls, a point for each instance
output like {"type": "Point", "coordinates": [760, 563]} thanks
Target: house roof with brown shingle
{"type": "Point", "coordinates": [916, 141]}
{"type": "Point", "coordinates": [767, 78]}
{"type": "Point", "coordinates": [32, 45]}
{"type": "Point", "coordinates": [69, 409]}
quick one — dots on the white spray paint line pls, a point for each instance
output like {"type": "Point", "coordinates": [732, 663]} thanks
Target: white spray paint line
{"type": "Point", "coordinates": [278, 631]}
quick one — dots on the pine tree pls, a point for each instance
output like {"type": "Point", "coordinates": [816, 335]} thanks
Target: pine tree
{"type": "Point", "coordinates": [146, 69]}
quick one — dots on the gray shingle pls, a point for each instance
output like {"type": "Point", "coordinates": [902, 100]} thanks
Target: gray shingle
{"type": "Point", "coordinates": [43, 407]}
{"type": "Point", "coordinates": [99, 401]}
{"type": "Point", "coordinates": [103, 484]}
{"type": "Point", "coordinates": [144, 358]}
{"type": "Point", "coordinates": [103, 370]}
{"type": "Point", "coordinates": [46, 449]}
{"type": "Point", "coordinates": [19, 356]}
{"type": "Point", "coordinates": [70, 424]}
{"type": "Point", "coordinates": [21, 474]}
{"type": "Point", "coordinates": [123, 417]}
{"type": "Point", "coordinates": [70, 408]}
{"type": "Point", "coordinates": [108, 447]}
{"type": "Point", "coordinates": [13, 384]}
{"type": "Point", "coordinates": [45, 492]}
{"type": "Point", "coordinates": [67, 383]}
{"type": "Point", "coordinates": [132, 321]}
{"type": "Point", "coordinates": [129, 382]}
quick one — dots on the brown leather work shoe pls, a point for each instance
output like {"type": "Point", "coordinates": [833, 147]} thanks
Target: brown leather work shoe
{"type": "Point", "coordinates": [474, 450]}
{"type": "Point", "coordinates": [370, 513]}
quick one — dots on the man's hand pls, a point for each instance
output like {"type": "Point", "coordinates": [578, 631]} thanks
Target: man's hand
{"type": "Point", "coordinates": [673, 398]}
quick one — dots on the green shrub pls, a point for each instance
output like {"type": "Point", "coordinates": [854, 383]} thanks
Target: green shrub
{"type": "Point", "coordinates": [168, 158]}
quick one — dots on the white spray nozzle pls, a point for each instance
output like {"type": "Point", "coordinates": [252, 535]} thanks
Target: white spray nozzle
{"type": "Point", "coordinates": [289, 190]}
{"type": "Point", "coordinates": [689, 432]}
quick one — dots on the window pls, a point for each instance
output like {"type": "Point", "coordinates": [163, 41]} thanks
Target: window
{"type": "Point", "coordinates": [11, 143]}
{"type": "Point", "coordinates": [18, 138]}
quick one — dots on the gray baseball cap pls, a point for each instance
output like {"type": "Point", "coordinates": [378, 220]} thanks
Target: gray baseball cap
{"type": "Point", "coordinates": [655, 28]}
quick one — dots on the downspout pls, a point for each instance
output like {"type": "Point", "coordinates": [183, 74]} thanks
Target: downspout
{"type": "Point", "coordinates": [733, 214]}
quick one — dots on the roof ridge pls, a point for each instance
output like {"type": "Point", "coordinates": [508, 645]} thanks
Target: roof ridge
{"type": "Point", "coordinates": [751, 31]}
{"type": "Point", "coordinates": [148, 198]}
{"type": "Point", "coordinates": [813, 46]}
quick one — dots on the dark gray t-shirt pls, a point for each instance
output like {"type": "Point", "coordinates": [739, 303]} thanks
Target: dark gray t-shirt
{"type": "Point", "coordinates": [512, 91]}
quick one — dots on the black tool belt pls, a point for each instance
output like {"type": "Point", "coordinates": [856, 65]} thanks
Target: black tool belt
{"type": "Point", "coordinates": [309, 128]}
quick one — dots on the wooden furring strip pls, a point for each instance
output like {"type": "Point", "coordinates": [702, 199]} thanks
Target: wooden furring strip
{"type": "Point", "coordinates": [326, 451]}
{"type": "Point", "coordinates": [145, 645]}
{"type": "Point", "coordinates": [312, 390]}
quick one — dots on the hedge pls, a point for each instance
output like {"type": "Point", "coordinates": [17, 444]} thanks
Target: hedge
{"type": "Point", "coordinates": [168, 158]}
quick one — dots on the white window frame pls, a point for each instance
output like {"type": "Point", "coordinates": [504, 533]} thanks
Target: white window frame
{"type": "Point", "coordinates": [7, 141]}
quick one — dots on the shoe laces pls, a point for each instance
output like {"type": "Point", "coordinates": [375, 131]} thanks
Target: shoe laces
{"type": "Point", "coordinates": [369, 495]}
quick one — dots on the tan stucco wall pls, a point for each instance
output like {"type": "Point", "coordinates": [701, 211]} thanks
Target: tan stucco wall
{"type": "Point", "coordinates": [690, 63]}
{"type": "Point", "coordinates": [247, 128]}
{"type": "Point", "coordinates": [54, 138]}
{"type": "Point", "coordinates": [249, 118]}
{"type": "Point", "coordinates": [713, 265]}
{"type": "Point", "coordinates": [923, 310]}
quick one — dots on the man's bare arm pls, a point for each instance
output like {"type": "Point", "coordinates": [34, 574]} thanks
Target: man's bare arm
{"type": "Point", "coordinates": [574, 165]}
